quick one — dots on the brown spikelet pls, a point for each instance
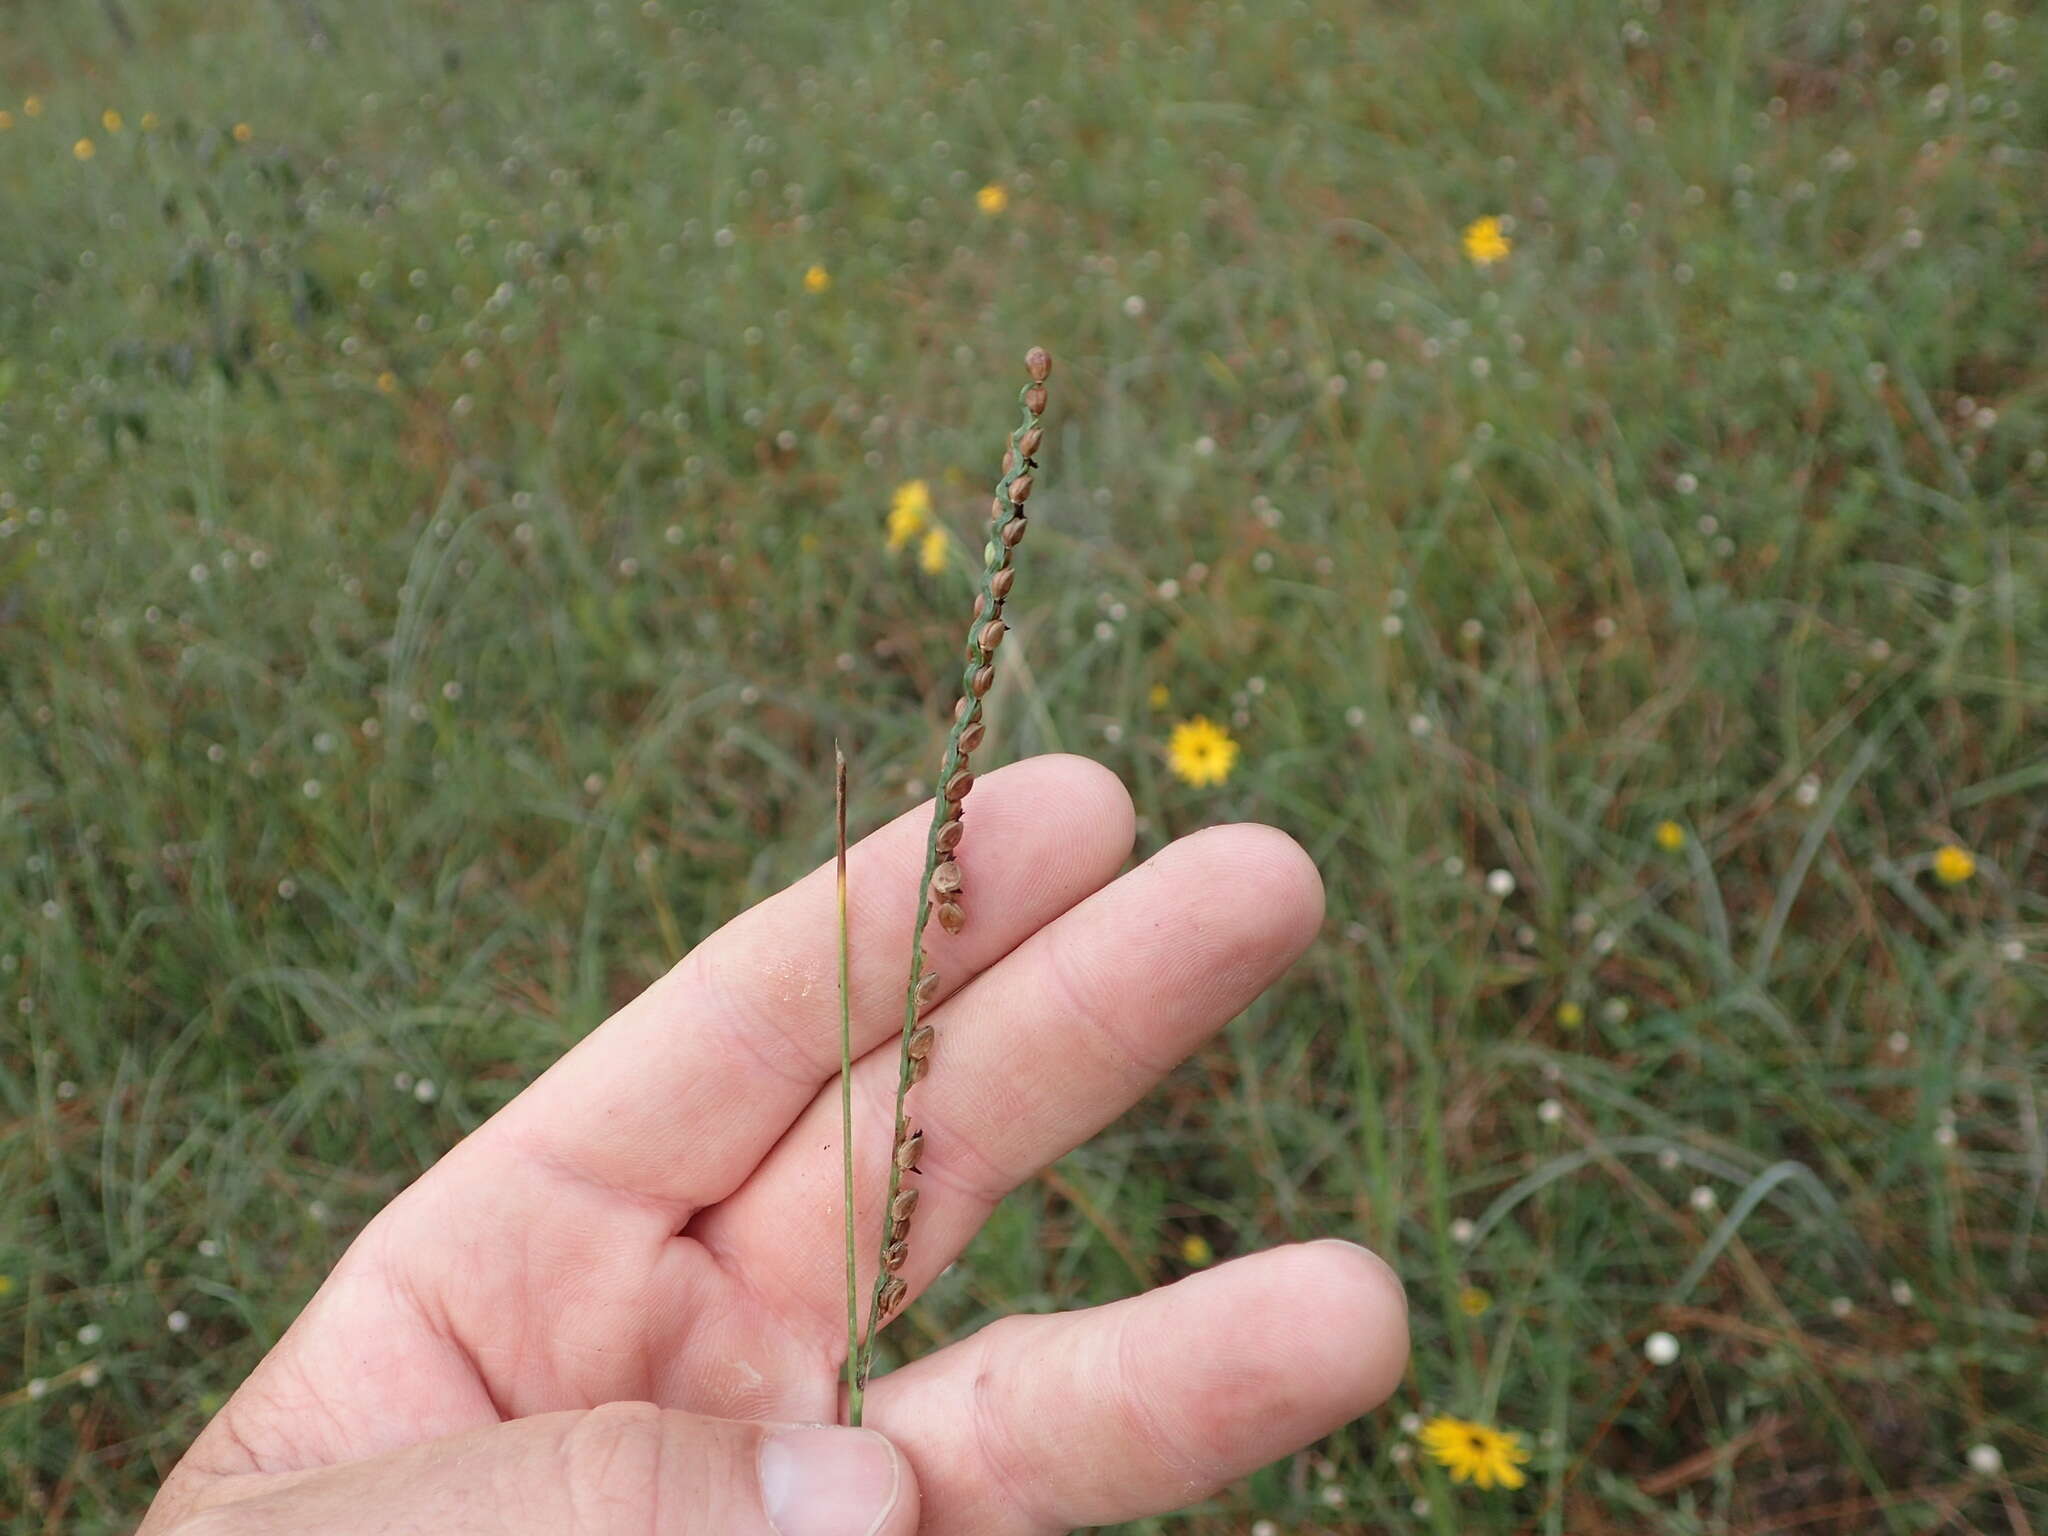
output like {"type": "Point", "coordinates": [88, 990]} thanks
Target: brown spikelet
{"type": "Point", "coordinates": [907, 1150]}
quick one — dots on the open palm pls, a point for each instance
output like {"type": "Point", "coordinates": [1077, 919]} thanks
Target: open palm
{"type": "Point", "coordinates": [595, 1312]}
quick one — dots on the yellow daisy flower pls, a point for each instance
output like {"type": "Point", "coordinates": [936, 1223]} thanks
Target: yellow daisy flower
{"type": "Point", "coordinates": [1200, 752]}
{"type": "Point", "coordinates": [993, 198]}
{"type": "Point", "coordinates": [6, 120]}
{"type": "Point", "coordinates": [1670, 836]}
{"type": "Point", "coordinates": [1474, 1301]}
{"type": "Point", "coordinates": [32, 107]}
{"type": "Point", "coordinates": [1485, 243]}
{"type": "Point", "coordinates": [244, 133]}
{"type": "Point", "coordinates": [84, 149]}
{"type": "Point", "coordinates": [816, 279]}
{"type": "Point", "coordinates": [1953, 864]}
{"type": "Point", "coordinates": [909, 510]}
{"type": "Point", "coordinates": [1476, 1453]}
{"type": "Point", "coordinates": [1158, 696]}
{"type": "Point", "coordinates": [932, 550]}
{"type": "Point", "coordinates": [387, 382]}
{"type": "Point", "coordinates": [110, 120]}
{"type": "Point", "coordinates": [1195, 1249]}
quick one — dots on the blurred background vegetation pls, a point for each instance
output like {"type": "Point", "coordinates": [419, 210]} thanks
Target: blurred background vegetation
{"type": "Point", "coordinates": [444, 460]}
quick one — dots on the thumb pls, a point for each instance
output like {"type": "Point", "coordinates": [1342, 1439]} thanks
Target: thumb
{"type": "Point", "coordinates": [625, 1469]}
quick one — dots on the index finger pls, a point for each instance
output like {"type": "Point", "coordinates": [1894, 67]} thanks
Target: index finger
{"type": "Point", "coordinates": [672, 1102]}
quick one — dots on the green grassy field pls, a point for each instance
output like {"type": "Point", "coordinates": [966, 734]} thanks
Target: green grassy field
{"type": "Point", "coordinates": [442, 532]}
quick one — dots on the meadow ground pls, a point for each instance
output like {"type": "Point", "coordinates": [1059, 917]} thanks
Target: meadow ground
{"type": "Point", "coordinates": [443, 477]}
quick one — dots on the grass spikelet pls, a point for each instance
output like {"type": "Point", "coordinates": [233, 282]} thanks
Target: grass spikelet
{"type": "Point", "coordinates": [943, 890]}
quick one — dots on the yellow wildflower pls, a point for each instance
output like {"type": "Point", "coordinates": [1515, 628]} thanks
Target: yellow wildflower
{"type": "Point", "coordinates": [1485, 243]}
{"type": "Point", "coordinates": [1570, 1015]}
{"type": "Point", "coordinates": [1158, 696]}
{"type": "Point", "coordinates": [1201, 752]}
{"type": "Point", "coordinates": [387, 382]}
{"type": "Point", "coordinates": [993, 198]}
{"type": "Point", "coordinates": [1476, 1453]}
{"type": "Point", "coordinates": [932, 549]}
{"type": "Point", "coordinates": [84, 149]}
{"type": "Point", "coordinates": [816, 279]}
{"type": "Point", "coordinates": [6, 120]}
{"type": "Point", "coordinates": [6, 1285]}
{"type": "Point", "coordinates": [244, 133]}
{"type": "Point", "coordinates": [1953, 864]}
{"type": "Point", "coordinates": [150, 121]}
{"type": "Point", "coordinates": [909, 510]}
{"type": "Point", "coordinates": [1474, 1301]}
{"type": "Point", "coordinates": [32, 107]}
{"type": "Point", "coordinates": [110, 120]}
{"type": "Point", "coordinates": [1670, 836]}
{"type": "Point", "coordinates": [1195, 1249]}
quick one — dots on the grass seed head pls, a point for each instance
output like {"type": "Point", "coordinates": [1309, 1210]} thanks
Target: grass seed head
{"type": "Point", "coordinates": [943, 879]}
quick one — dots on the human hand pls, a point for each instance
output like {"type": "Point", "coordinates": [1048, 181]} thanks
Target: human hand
{"type": "Point", "coordinates": [611, 1307]}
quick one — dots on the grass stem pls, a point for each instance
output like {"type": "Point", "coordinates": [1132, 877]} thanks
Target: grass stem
{"type": "Point", "coordinates": [854, 1379]}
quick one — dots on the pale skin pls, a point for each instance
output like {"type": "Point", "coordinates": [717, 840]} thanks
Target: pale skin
{"type": "Point", "coordinates": [599, 1312]}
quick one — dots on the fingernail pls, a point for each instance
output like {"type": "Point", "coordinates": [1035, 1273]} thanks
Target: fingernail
{"type": "Point", "coordinates": [828, 1482]}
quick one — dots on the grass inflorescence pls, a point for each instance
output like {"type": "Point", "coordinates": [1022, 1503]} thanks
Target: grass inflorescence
{"type": "Point", "coordinates": [942, 888]}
